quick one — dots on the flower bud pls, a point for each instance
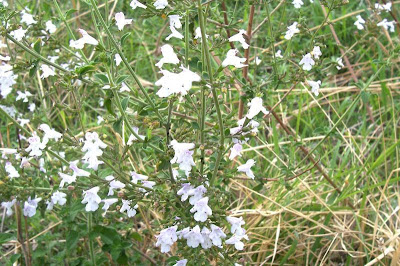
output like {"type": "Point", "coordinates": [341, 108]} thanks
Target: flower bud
{"type": "Point", "coordinates": [71, 188]}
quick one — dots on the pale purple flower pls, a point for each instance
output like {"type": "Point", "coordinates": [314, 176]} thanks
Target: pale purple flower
{"type": "Point", "coordinates": [292, 30]}
{"type": "Point", "coordinates": [30, 206]}
{"type": "Point", "coordinates": [307, 62]}
{"type": "Point", "coordinates": [201, 210]}
{"type": "Point", "coordinates": [121, 21]}
{"type": "Point", "coordinates": [256, 106]}
{"type": "Point", "coordinates": [8, 206]}
{"type": "Point", "coordinates": [246, 168]}
{"type": "Point", "coordinates": [183, 155]}
{"type": "Point", "coordinates": [91, 199]}
{"type": "Point", "coordinates": [167, 238]}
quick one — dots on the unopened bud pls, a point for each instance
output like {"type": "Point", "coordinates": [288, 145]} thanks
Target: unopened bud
{"type": "Point", "coordinates": [118, 207]}
{"type": "Point", "coordinates": [71, 188]}
{"type": "Point", "coordinates": [224, 90]}
{"type": "Point", "coordinates": [121, 194]}
{"type": "Point", "coordinates": [201, 147]}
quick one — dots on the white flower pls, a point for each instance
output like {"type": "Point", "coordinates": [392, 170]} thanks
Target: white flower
{"type": "Point", "coordinates": [92, 147]}
{"type": "Point", "coordinates": [387, 25]}
{"type": "Point", "coordinates": [278, 54]}
{"type": "Point", "coordinates": [114, 184]}
{"type": "Point", "coordinates": [5, 58]}
{"type": "Point", "coordinates": [121, 21]}
{"type": "Point", "coordinates": [236, 224]}
{"type": "Point", "coordinates": [387, 7]}
{"type": "Point", "coordinates": [86, 39]}
{"type": "Point", "coordinates": [307, 62]}
{"type": "Point", "coordinates": [340, 65]}
{"type": "Point", "coordinates": [236, 150]}
{"type": "Point", "coordinates": [314, 86]}
{"type": "Point", "coordinates": [292, 30]}
{"type": "Point", "coordinates": [201, 210]}
{"type": "Point", "coordinates": [257, 60]}
{"type": "Point", "coordinates": [359, 22]}
{"type": "Point", "coordinates": [59, 198]}
{"type": "Point", "coordinates": [126, 206]}
{"type": "Point", "coordinates": [35, 145]}
{"type": "Point", "coordinates": [66, 179]}
{"type": "Point", "coordinates": [11, 171]}
{"type": "Point", "coordinates": [138, 177]}
{"type": "Point", "coordinates": [8, 206]}
{"type": "Point", "coordinates": [32, 107]}
{"type": "Point", "coordinates": [185, 191]}
{"type": "Point", "coordinates": [23, 96]}
{"type": "Point", "coordinates": [160, 4]}
{"type": "Point", "coordinates": [7, 80]}
{"type": "Point", "coordinates": [233, 60]}
{"type": "Point", "coordinates": [183, 156]}
{"type": "Point", "coordinates": [256, 106]}
{"type": "Point", "coordinates": [181, 262]}
{"type": "Point", "coordinates": [41, 165]}
{"type": "Point", "coordinates": [135, 3]}
{"type": "Point", "coordinates": [4, 2]}
{"type": "Point", "coordinates": [196, 194]}
{"type": "Point", "coordinates": [117, 59]}
{"type": "Point", "coordinates": [132, 137]}
{"type": "Point", "coordinates": [174, 21]}
{"type": "Point", "coordinates": [251, 124]}
{"type": "Point", "coordinates": [124, 87]}
{"type": "Point", "coordinates": [108, 203]}
{"type": "Point", "coordinates": [179, 83]}
{"type": "Point", "coordinates": [18, 34]}
{"type": "Point", "coordinates": [207, 243]}
{"type": "Point", "coordinates": [167, 238]}
{"type": "Point", "coordinates": [91, 199]}
{"type": "Point", "coordinates": [239, 38]}
{"type": "Point", "coordinates": [174, 34]}
{"type": "Point", "coordinates": [316, 52]}
{"type": "Point", "coordinates": [47, 71]}
{"type": "Point", "coordinates": [50, 27]}
{"type": "Point", "coordinates": [148, 184]}
{"type": "Point", "coordinates": [297, 3]}
{"type": "Point", "coordinates": [100, 119]}
{"type": "Point", "coordinates": [77, 171]}
{"type": "Point", "coordinates": [30, 206]}
{"type": "Point", "coordinates": [168, 56]}
{"type": "Point", "coordinates": [27, 18]}
{"type": "Point", "coordinates": [22, 121]}
{"type": "Point", "coordinates": [49, 133]}
{"type": "Point", "coordinates": [245, 168]}
{"type": "Point", "coordinates": [236, 240]}
{"type": "Point", "coordinates": [198, 34]}
{"type": "Point", "coordinates": [216, 235]}
{"type": "Point", "coordinates": [194, 237]}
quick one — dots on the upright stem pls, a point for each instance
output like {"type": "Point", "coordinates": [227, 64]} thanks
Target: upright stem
{"type": "Point", "coordinates": [91, 249]}
{"type": "Point", "coordinates": [214, 92]}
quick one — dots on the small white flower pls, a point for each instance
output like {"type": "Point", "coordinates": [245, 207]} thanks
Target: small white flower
{"type": "Point", "coordinates": [27, 18]}
{"type": "Point", "coordinates": [5, 58]}
{"type": "Point", "coordinates": [47, 71]}
{"type": "Point", "coordinates": [236, 150]}
{"type": "Point", "coordinates": [339, 63]}
{"type": "Point", "coordinates": [32, 107]}
{"type": "Point", "coordinates": [198, 34]}
{"type": "Point", "coordinates": [100, 119]}
{"type": "Point", "coordinates": [316, 52]}
{"type": "Point", "coordinates": [50, 27]}
{"type": "Point", "coordinates": [18, 34]}
{"type": "Point", "coordinates": [126, 206]}
{"type": "Point", "coordinates": [167, 238]}
{"type": "Point", "coordinates": [69, 179]}
{"type": "Point", "coordinates": [35, 145]}
{"type": "Point", "coordinates": [114, 184]}
{"type": "Point", "coordinates": [30, 206]}
{"type": "Point", "coordinates": [174, 34]}
{"type": "Point", "coordinates": [183, 156]}
{"type": "Point", "coordinates": [174, 21]}
{"type": "Point", "coordinates": [108, 203]}
{"type": "Point", "coordinates": [278, 54]}
{"type": "Point", "coordinates": [132, 137]}
{"type": "Point", "coordinates": [121, 21]}
{"type": "Point", "coordinates": [138, 177]}
{"type": "Point", "coordinates": [236, 224]}
{"type": "Point", "coordinates": [172, 83]}
{"type": "Point", "coordinates": [245, 168]}
{"type": "Point", "coordinates": [11, 171]}
{"type": "Point", "coordinates": [201, 210]}
{"type": "Point", "coordinates": [207, 243]}
{"type": "Point", "coordinates": [297, 3]}
{"type": "Point", "coordinates": [185, 191]}
{"type": "Point", "coordinates": [314, 86]}
{"type": "Point", "coordinates": [86, 39]}
{"type": "Point", "coordinates": [49, 133]}
{"type": "Point", "coordinates": [135, 3]}
{"type": "Point", "coordinates": [216, 235]}
{"type": "Point", "coordinates": [233, 60]}
{"type": "Point", "coordinates": [239, 38]}
{"type": "Point", "coordinates": [292, 30]}
{"type": "Point", "coordinates": [77, 171]}
{"type": "Point", "coordinates": [359, 22]}
{"type": "Point", "coordinates": [194, 237]}
{"type": "Point", "coordinates": [8, 206]}
{"type": "Point", "coordinates": [256, 106]}
{"type": "Point", "coordinates": [181, 262]}
{"type": "Point", "coordinates": [117, 59]}
{"type": "Point", "coordinates": [386, 7]}
{"type": "Point", "coordinates": [91, 199]}
{"type": "Point", "coordinates": [160, 4]}
{"type": "Point", "coordinates": [387, 25]}
{"type": "Point", "coordinates": [22, 121]}
{"type": "Point", "coordinates": [307, 62]}
{"type": "Point", "coordinates": [169, 56]}
{"type": "Point", "coordinates": [124, 87]}
{"type": "Point", "coordinates": [196, 194]}
{"type": "Point", "coordinates": [257, 60]}
{"type": "Point", "coordinates": [236, 240]}
{"type": "Point", "coordinates": [59, 198]}
{"type": "Point", "coordinates": [93, 147]}
{"type": "Point", "coordinates": [23, 96]}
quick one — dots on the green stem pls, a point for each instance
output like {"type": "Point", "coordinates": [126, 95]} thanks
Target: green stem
{"type": "Point", "coordinates": [89, 225]}
{"type": "Point", "coordinates": [124, 60]}
{"type": "Point", "coordinates": [270, 32]}
{"type": "Point", "coordinates": [214, 92]}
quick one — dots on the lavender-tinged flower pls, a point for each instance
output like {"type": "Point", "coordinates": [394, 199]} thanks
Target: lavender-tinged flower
{"type": "Point", "coordinates": [167, 238]}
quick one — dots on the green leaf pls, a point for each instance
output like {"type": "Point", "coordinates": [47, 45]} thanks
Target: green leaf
{"type": "Point", "coordinates": [37, 46]}
{"type": "Point", "coordinates": [122, 79]}
{"type": "Point", "coordinates": [85, 69]}
{"type": "Point", "coordinates": [69, 12]}
{"type": "Point", "coordinates": [136, 236]}
{"type": "Point", "coordinates": [72, 239]}
{"type": "Point", "coordinates": [123, 38]}
{"type": "Point", "coordinates": [108, 105]}
{"type": "Point", "coordinates": [5, 237]}
{"type": "Point", "coordinates": [117, 125]}
{"type": "Point", "coordinates": [124, 103]}
{"type": "Point", "coordinates": [101, 77]}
